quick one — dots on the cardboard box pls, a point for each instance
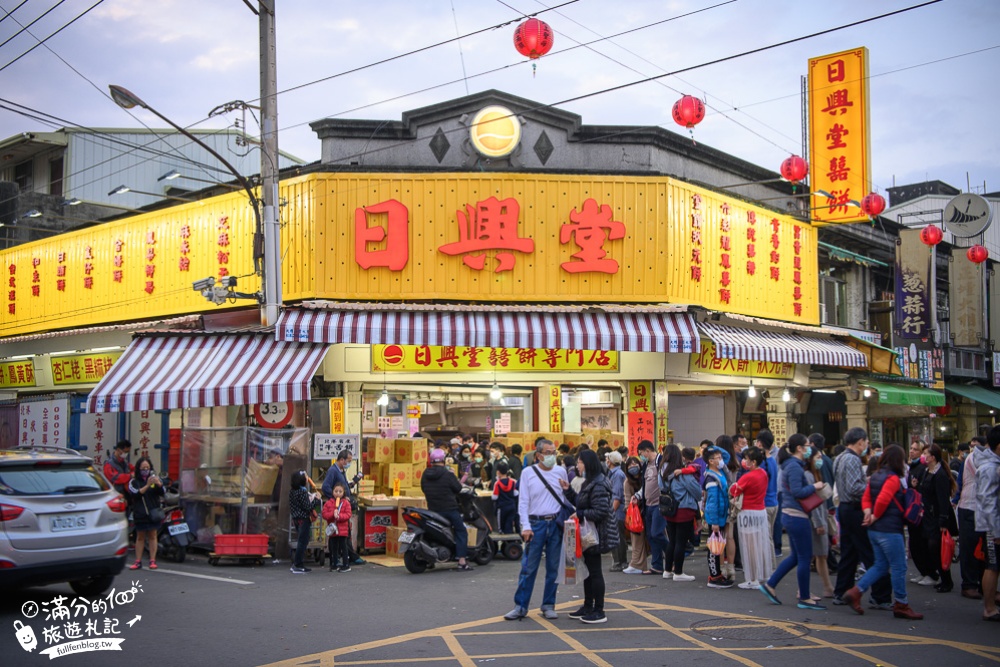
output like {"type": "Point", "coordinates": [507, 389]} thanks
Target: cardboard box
{"type": "Point", "coordinates": [616, 439]}
{"type": "Point", "coordinates": [392, 534]}
{"type": "Point", "coordinates": [418, 473]}
{"type": "Point", "coordinates": [381, 450]}
{"type": "Point", "coordinates": [412, 492]}
{"type": "Point", "coordinates": [574, 439]}
{"type": "Point", "coordinates": [399, 471]}
{"type": "Point", "coordinates": [366, 487]}
{"type": "Point", "coordinates": [409, 501]}
{"type": "Point", "coordinates": [410, 450]}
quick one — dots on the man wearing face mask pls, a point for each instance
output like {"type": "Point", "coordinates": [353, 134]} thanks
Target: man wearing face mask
{"type": "Point", "coordinates": [656, 524]}
{"type": "Point", "coordinates": [539, 504]}
{"type": "Point", "coordinates": [849, 476]}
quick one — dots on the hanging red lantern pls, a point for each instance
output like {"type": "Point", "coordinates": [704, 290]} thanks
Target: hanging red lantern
{"type": "Point", "coordinates": [873, 204]}
{"type": "Point", "coordinates": [794, 169]}
{"type": "Point", "coordinates": [977, 254]}
{"type": "Point", "coordinates": [688, 111]}
{"type": "Point", "coordinates": [931, 235]}
{"type": "Point", "coordinates": [533, 39]}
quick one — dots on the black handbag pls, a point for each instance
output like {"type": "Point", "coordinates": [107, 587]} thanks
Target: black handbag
{"type": "Point", "coordinates": [668, 503]}
{"type": "Point", "coordinates": [156, 514]}
{"type": "Point", "coordinates": [565, 510]}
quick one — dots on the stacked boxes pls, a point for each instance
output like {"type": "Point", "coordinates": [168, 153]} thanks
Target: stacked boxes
{"type": "Point", "coordinates": [392, 460]}
{"type": "Point", "coordinates": [392, 534]}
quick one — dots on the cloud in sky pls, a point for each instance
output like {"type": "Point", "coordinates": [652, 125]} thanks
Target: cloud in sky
{"type": "Point", "coordinates": [185, 57]}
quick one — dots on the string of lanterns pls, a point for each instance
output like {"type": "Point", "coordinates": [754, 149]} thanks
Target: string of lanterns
{"type": "Point", "coordinates": [931, 235]}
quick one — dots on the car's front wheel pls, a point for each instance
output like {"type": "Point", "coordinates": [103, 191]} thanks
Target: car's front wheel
{"type": "Point", "coordinates": [92, 585]}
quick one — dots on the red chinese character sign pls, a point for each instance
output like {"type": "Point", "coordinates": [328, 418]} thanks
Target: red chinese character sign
{"type": "Point", "coordinates": [491, 224]}
{"type": "Point", "coordinates": [839, 135]}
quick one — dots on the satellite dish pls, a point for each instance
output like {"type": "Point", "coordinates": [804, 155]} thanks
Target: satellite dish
{"type": "Point", "coordinates": [967, 215]}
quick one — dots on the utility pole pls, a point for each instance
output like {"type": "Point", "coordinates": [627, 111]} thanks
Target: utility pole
{"type": "Point", "coordinates": [269, 164]}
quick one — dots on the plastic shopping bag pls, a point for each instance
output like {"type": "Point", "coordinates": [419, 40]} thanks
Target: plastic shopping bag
{"type": "Point", "coordinates": [717, 543]}
{"type": "Point", "coordinates": [947, 550]}
{"type": "Point", "coordinates": [633, 518]}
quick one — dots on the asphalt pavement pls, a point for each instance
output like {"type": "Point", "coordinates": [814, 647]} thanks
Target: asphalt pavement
{"type": "Point", "coordinates": [231, 614]}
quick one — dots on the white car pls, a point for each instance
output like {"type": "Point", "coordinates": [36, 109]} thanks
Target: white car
{"type": "Point", "coordinates": [60, 521]}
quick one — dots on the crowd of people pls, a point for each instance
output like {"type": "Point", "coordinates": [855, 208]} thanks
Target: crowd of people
{"type": "Point", "coordinates": [845, 513]}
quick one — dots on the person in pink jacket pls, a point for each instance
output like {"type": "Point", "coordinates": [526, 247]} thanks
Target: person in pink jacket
{"type": "Point", "coordinates": [337, 513]}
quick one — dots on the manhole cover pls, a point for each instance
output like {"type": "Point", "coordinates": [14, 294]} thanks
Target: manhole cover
{"type": "Point", "coordinates": [748, 629]}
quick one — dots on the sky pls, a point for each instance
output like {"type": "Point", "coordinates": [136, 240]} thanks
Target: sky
{"type": "Point", "coordinates": [933, 69]}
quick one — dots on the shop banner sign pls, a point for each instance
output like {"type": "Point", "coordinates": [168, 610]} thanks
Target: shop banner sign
{"type": "Point", "coordinates": [966, 303]}
{"type": "Point", "coordinates": [839, 135]}
{"type": "Point", "coordinates": [555, 409]}
{"type": "Point", "coordinates": [640, 427]}
{"type": "Point", "coordinates": [44, 423]}
{"type": "Point", "coordinates": [82, 368]}
{"type": "Point", "coordinates": [922, 361]}
{"type": "Point", "coordinates": [707, 362]}
{"type": "Point", "coordinates": [912, 279]}
{"type": "Point", "coordinates": [145, 429]}
{"type": "Point", "coordinates": [662, 415]}
{"type": "Point", "coordinates": [326, 446]}
{"type": "Point", "coordinates": [336, 415]}
{"type": "Point", "coordinates": [15, 374]}
{"type": "Point", "coordinates": [98, 433]}
{"type": "Point", "coordinates": [996, 369]}
{"type": "Point", "coordinates": [455, 359]}
{"type": "Point", "coordinates": [640, 396]}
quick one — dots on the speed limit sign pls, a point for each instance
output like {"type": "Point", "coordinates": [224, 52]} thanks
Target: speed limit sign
{"type": "Point", "coordinates": [274, 415]}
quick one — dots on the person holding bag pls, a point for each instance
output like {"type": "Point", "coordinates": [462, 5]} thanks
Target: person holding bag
{"type": "Point", "coordinates": [750, 492]}
{"type": "Point", "coordinates": [593, 505]}
{"type": "Point", "coordinates": [716, 512]}
{"type": "Point", "coordinates": [937, 486]}
{"type": "Point", "coordinates": [793, 487]}
{"type": "Point", "coordinates": [146, 491]}
{"type": "Point", "coordinates": [680, 483]}
{"type": "Point", "coordinates": [633, 498]}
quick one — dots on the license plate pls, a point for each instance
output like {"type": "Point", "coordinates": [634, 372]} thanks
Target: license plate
{"type": "Point", "coordinates": [406, 538]}
{"type": "Point", "coordinates": [65, 522]}
{"type": "Point", "coordinates": [178, 528]}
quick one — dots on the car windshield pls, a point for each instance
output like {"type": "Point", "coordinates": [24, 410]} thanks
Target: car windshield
{"type": "Point", "coordinates": [47, 481]}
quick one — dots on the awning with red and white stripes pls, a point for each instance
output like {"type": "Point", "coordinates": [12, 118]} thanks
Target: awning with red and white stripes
{"type": "Point", "coordinates": [576, 330]}
{"type": "Point", "coordinates": [206, 370]}
{"type": "Point", "coordinates": [739, 343]}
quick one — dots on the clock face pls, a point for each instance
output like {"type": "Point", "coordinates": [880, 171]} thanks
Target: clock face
{"type": "Point", "coordinates": [274, 415]}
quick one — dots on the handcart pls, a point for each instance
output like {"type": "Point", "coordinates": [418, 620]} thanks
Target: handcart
{"type": "Point", "coordinates": [241, 548]}
{"type": "Point", "coordinates": [317, 541]}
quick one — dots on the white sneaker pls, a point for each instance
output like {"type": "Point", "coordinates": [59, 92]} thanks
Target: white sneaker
{"type": "Point", "coordinates": [916, 579]}
{"type": "Point", "coordinates": [668, 575]}
{"type": "Point", "coordinates": [927, 581]}
{"type": "Point", "coordinates": [631, 570]}
{"type": "Point", "coordinates": [749, 585]}
{"type": "Point", "coordinates": [683, 577]}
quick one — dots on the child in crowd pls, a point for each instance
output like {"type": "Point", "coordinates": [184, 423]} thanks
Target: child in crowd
{"type": "Point", "coordinates": [505, 498]}
{"type": "Point", "coordinates": [716, 511]}
{"type": "Point", "coordinates": [337, 513]}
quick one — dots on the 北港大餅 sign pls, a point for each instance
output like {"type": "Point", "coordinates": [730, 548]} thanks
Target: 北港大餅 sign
{"type": "Point", "coordinates": [706, 362]}
{"type": "Point", "coordinates": [458, 236]}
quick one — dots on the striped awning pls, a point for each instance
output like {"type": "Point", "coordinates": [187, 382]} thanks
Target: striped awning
{"type": "Point", "coordinates": [739, 343]}
{"type": "Point", "coordinates": [578, 330]}
{"type": "Point", "coordinates": [206, 370]}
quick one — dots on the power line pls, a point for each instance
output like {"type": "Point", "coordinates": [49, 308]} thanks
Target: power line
{"type": "Point", "coordinates": [23, 27]}
{"type": "Point", "coordinates": [6, 13]}
{"type": "Point", "coordinates": [78, 17]}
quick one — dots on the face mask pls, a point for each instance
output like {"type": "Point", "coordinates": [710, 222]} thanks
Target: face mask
{"type": "Point", "coordinates": [144, 474]}
{"type": "Point", "coordinates": [809, 452]}
{"type": "Point", "coordinates": [865, 453]}
{"type": "Point", "coordinates": [923, 460]}
{"type": "Point", "coordinates": [549, 461]}
{"type": "Point", "coordinates": [745, 463]}
{"type": "Point", "coordinates": [479, 459]}
{"type": "Point", "coordinates": [642, 457]}
{"type": "Point", "coordinates": [465, 455]}
{"type": "Point", "coordinates": [819, 463]}
{"type": "Point", "coordinates": [634, 471]}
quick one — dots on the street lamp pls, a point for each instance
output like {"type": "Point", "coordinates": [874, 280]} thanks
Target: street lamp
{"type": "Point", "coordinates": [122, 189]}
{"type": "Point", "coordinates": [271, 283]}
{"type": "Point", "coordinates": [173, 175]}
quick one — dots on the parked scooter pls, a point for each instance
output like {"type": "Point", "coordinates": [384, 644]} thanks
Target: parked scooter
{"type": "Point", "coordinates": [174, 535]}
{"type": "Point", "coordinates": [430, 539]}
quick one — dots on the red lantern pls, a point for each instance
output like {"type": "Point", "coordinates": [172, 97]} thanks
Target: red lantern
{"type": "Point", "coordinates": [931, 235]}
{"type": "Point", "coordinates": [688, 111]}
{"type": "Point", "coordinates": [794, 169]}
{"type": "Point", "coordinates": [873, 204]}
{"type": "Point", "coordinates": [533, 38]}
{"type": "Point", "coordinates": [977, 254]}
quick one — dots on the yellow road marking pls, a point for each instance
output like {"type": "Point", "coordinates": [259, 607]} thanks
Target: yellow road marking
{"type": "Point", "coordinates": [683, 635]}
{"type": "Point", "coordinates": [457, 650]}
{"type": "Point", "coordinates": [580, 648]}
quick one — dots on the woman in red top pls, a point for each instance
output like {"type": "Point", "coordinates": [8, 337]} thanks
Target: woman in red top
{"type": "Point", "coordinates": [755, 537]}
{"type": "Point", "coordinates": [883, 508]}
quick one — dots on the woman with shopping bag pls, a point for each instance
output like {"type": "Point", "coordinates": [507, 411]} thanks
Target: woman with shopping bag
{"type": "Point", "coordinates": [597, 535]}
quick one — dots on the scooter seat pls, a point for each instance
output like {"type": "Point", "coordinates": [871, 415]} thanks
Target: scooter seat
{"type": "Point", "coordinates": [429, 514]}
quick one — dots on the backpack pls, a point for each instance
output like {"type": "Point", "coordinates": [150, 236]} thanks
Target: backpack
{"type": "Point", "coordinates": [912, 506]}
{"type": "Point", "coordinates": [668, 503]}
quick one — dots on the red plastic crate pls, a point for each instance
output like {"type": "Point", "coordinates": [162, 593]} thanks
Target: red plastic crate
{"type": "Point", "coordinates": [241, 545]}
